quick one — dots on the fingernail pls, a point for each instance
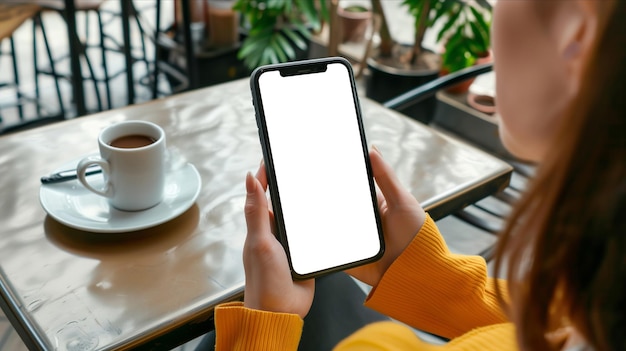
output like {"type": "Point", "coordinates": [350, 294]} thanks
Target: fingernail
{"type": "Point", "coordinates": [376, 149]}
{"type": "Point", "coordinates": [250, 183]}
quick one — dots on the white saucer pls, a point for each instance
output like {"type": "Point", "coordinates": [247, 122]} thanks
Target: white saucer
{"type": "Point", "coordinates": [73, 205]}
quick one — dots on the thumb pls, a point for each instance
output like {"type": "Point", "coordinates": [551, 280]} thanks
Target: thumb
{"type": "Point", "coordinates": [256, 209]}
{"type": "Point", "coordinates": [387, 181]}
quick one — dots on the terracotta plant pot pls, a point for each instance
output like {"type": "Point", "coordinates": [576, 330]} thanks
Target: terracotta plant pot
{"type": "Point", "coordinates": [354, 21]}
{"type": "Point", "coordinates": [459, 88]}
{"type": "Point", "coordinates": [223, 24]}
{"type": "Point", "coordinates": [463, 87]}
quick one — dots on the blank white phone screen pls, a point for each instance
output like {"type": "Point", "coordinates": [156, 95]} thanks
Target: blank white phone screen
{"type": "Point", "coordinates": [320, 168]}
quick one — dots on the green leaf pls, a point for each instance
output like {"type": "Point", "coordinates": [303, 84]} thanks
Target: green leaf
{"type": "Point", "coordinates": [250, 46]}
{"type": "Point", "coordinates": [252, 62]}
{"type": "Point", "coordinates": [484, 4]}
{"type": "Point", "coordinates": [259, 31]}
{"type": "Point", "coordinates": [295, 38]}
{"type": "Point", "coordinates": [441, 8]}
{"type": "Point", "coordinates": [412, 4]}
{"type": "Point", "coordinates": [455, 39]}
{"type": "Point", "coordinates": [478, 37]}
{"type": "Point", "coordinates": [451, 21]}
{"type": "Point", "coordinates": [286, 46]}
{"type": "Point", "coordinates": [483, 25]}
{"type": "Point", "coordinates": [269, 56]}
{"type": "Point", "coordinates": [310, 13]}
{"type": "Point", "coordinates": [275, 47]}
{"type": "Point", "coordinates": [324, 10]}
{"type": "Point", "coordinates": [475, 50]}
{"type": "Point", "coordinates": [242, 6]}
{"type": "Point", "coordinates": [276, 5]}
{"type": "Point", "coordinates": [303, 30]}
{"type": "Point", "coordinates": [415, 9]}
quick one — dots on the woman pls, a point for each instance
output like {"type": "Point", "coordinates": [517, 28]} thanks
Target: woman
{"type": "Point", "coordinates": [561, 75]}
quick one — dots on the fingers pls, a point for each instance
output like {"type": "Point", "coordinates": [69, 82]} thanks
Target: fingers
{"type": "Point", "coordinates": [256, 208]}
{"type": "Point", "coordinates": [261, 175]}
{"type": "Point", "coordinates": [386, 179]}
{"type": "Point", "coordinates": [380, 197]}
{"type": "Point", "coordinates": [272, 221]}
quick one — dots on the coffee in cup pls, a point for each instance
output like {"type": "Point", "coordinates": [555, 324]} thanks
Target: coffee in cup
{"type": "Point", "coordinates": [132, 158]}
{"type": "Point", "coordinates": [132, 141]}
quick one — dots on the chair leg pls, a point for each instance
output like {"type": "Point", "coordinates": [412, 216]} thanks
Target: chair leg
{"type": "Point", "coordinates": [52, 69]}
{"type": "Point", "coordinates": [16, 79]}
{"type": "Point", "coordinates": [93, 78]}
{"type": "Point", "coordinates": [143, 57]}
{"type": "Point", "coordinates": [104, 61]}
{"type": "Point", "coordinates": [157, 51]}
{"type": "Point", "coordinates": [130, 81]}
{"type": "Point", "coordinates": [141, 37]}
{"type": "Point", "coordinates": [85, 51]}
{"type": "Point", "coordinates": [36, 23]}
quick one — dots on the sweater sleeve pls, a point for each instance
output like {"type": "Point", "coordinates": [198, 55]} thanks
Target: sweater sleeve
{"type": "Point", "coordinates": [431, 289]}
{"type": "Point", "coordinates": [393, 336]}
{"type": "Point", "coordinates": [241, 328]}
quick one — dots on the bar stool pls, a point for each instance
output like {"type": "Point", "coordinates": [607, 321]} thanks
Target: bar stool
{"type": "Point", "coordinates": [13, 16]}
{"type": "Point", "coordinates": [85, 6]}
{"type": "Point", "coordinates": [130, 14]}
{"type": "Point", "coordinates": [106, 44]}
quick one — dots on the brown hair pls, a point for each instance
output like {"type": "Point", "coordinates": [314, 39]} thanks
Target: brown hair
{"type": "Point", "coordinates": [565, 244]}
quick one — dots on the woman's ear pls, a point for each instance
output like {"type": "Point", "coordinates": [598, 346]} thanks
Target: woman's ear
{"type": "Point", "coordinates": [576, 30]}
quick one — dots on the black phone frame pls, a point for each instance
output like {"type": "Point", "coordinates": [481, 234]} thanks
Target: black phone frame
{"type": "Point", "coordinates": [309, 66]}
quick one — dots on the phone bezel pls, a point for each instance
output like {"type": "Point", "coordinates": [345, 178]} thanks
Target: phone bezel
{"type": "Point", "coordinates": [297, 68]}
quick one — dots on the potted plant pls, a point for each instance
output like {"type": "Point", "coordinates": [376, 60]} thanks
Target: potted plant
{"type": "Point", "coordinates": [278, 30]}
{"type": "Point", "coordinates": [469, 44]}
{"type": "Point", "coordinates": [354, 20]}
{"type": "Point", "coordinates": [396, 68]}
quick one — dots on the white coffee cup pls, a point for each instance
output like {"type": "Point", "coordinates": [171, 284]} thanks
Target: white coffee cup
{"type": "Point", "coordinates": [132, 158]}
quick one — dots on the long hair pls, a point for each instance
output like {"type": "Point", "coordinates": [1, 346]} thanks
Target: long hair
{"type": "Point", "coordinates": [564, 247]}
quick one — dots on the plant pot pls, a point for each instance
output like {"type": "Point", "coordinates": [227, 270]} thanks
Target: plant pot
{"type": "Point", "coordinates": [463, 87]}
{"type": "Point", "coordinates": [223, 24]}
{"type": "Point", "coordinates": [353, 22]}
{"type": "Point", "coordinates": [215, 65]}
{"type": "Point", "coordinates": [385, 82]}
{"type": "Point", "coordinates": [220, 66]}
{"type": "Point", "coordinates": [459, 88]}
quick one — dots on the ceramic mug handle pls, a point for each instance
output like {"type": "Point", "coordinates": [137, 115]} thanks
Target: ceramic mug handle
{"type": "Point", "coordinates": [85, 163]}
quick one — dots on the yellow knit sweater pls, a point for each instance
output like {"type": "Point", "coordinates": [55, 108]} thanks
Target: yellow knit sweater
{"type": "Point", "coordinates": [427, 287]}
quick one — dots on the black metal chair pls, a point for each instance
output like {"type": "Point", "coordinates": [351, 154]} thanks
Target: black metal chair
{"type": "Point", "coordinates": [12, 17]}
{"type": "Point", "coordinates": [52, 69]}
{"type": "Point", "coordinates": [104, 45]}
{"type": "Point", "coordinates": [181, 45]}
{"type": "Point", "coordinates": [489, 214]}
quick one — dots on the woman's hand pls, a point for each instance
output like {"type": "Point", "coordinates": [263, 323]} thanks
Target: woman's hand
{"type": "Point", "coordinates": [402, 218]}
{"type": "Point", "coordinates": [269, 285]}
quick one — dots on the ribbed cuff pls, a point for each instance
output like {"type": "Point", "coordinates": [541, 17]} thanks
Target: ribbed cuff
{"type": "Point", "coordinates": [398, 279]}
{"type": "Point", "coordinates": [241, 328]}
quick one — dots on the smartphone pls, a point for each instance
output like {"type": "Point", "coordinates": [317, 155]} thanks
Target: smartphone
{"type": "Point", "coordinates": [319, 175]}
